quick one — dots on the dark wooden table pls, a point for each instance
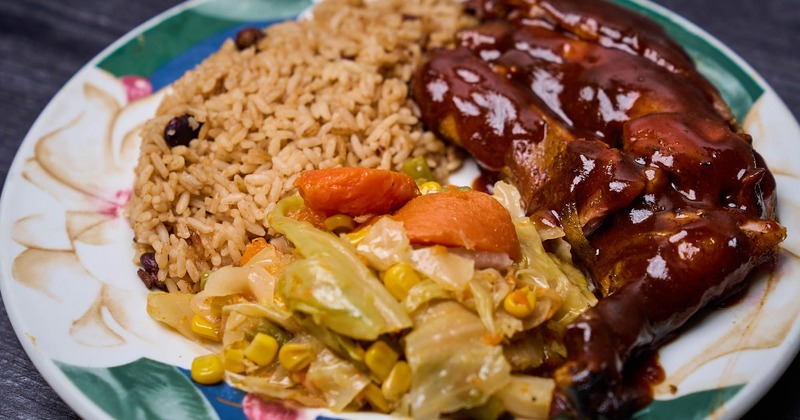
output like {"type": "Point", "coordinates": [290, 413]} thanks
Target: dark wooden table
{"type": "Point", "coordinates": [44, 42]}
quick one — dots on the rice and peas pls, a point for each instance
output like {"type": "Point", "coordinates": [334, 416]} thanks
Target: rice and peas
{"type": "Point", "coordinates": [319, 93]}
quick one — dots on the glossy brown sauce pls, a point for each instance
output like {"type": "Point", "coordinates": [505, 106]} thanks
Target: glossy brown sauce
{"type": "Point", "coordinates": [485, 181]}
{"type": "Point", "coordinates": [604, 124]}
{"type": "Point", "coordinates": [734, 298]}
{"type": "Point", "coordinates": [644, 373]}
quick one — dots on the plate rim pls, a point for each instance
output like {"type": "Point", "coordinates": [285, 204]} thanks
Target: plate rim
{"type": "Point", "coordinates": [745, 399]}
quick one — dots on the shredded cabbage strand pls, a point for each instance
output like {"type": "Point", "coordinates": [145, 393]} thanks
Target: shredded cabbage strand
{"type": "Point", "coordinates": [452, 368]}
{"type": "Point", "coordinates": [543, 269]}
{"type": "Point", "coordinates": [331, 284]}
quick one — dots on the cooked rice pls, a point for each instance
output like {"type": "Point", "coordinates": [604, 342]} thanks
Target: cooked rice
{"type": "Point", "coordinates": [324, 92]}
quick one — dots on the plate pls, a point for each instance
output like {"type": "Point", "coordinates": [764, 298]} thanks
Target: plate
{"type": "Point", "coordinates": [78, 308]}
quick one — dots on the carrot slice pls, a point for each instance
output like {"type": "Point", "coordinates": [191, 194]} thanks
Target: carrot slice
{"type": "Point", "coordinates": [355, 191]}
{"type": "Point", "coordinates": [254, 247]}
{"type": "Point", "coordinates": [306, 214]}
{"type": "Point", "coordinates": [469, 219]}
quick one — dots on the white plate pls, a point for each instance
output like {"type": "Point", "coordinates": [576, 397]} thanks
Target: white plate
{"type": "Point", "coordinates": [72, 294]}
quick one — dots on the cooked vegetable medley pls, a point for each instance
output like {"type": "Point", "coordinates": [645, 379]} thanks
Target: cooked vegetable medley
{"type": "Point", "coordinates": [418, 301]}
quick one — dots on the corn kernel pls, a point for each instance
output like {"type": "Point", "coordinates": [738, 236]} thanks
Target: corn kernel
{"type": "Point", "coordinates": [357, 236]}
{"type": "Point", "coordinates": [207, 370]}
{"type": "Point", "coordinates": [204, 328]}
{"type": "Point", "coordinates": [399, 279]}
{"type": "Point", "coordinates": [380, 358]}
{"type": "Point", "coordinates": [262, 349]}
{"type": "Point", "coordinates": [520, 303]}
{"type": "Point", "coordinates": [430, 187]}
{"type": "Point", "coordinates": [295, 357]}
{"type": "Point", "coordinates": [233, 359]}
{"type": "Point", "coordinates": [375, 397]}
{"type": "Point", "coordinates": [398, 382]}
{"type": "Point", "coordinates": [340, 223]}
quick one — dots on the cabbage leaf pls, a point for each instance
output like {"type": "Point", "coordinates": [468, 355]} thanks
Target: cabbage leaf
{"type": "Point", "coordinates": [528, 396]}
{"type": "Point", "coordinates": [542, 269]}
{"type": "Point", "coordinates": [331, 284]}
{"type": "Point", "coordinates": [339, 381]}
{"type": "Point", "coordinates": [385, 244]}
{"type": "Point", "coordinates": [452, 271]}
{"type": "Point", "coordinates": [452, 368]}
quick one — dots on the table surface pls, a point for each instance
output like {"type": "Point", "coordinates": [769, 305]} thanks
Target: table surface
{"type": "Point", "coordinates": [44, 42]}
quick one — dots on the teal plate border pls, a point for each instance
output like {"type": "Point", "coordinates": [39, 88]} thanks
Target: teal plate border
{"type": "Point", "coordinates": [181, 41]}
{"type": "Point", "coordinates": [144, 389]}
{"type": "Point", "coordinates": [149, 389]}
{"type": "Point", "coordinates": [694, 406]}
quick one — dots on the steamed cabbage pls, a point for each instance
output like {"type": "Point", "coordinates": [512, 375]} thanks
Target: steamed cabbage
{"type": "Point", "coordinates": [542, 269]}
{"type": "Point", "coordinates": [464, 350]}
{"type": "Point", "coordinates": [331, 284]}
{"type": "Point", "coordinates": [452, 367]}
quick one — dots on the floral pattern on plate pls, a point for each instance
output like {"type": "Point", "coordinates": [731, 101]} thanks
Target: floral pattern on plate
{"type": "Point", "coordinates": [73, 295]}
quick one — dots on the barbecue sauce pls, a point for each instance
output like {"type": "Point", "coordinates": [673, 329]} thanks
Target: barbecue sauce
{"type": "Point", "coordinates": [485, 181]}
{"type": "Point", "coordinates": [609, 130]}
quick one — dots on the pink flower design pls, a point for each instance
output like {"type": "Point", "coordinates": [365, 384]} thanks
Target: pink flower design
{"type": "Point", "coordinates": [86, 166]}
{"type": "Point", "coordinates": [257, 409]}
{"type": "Point", "coordinates": [136, 87]}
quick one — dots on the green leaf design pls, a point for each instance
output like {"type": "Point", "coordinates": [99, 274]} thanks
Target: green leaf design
{"type": "Point", "coordinates": [253, 10]}
{"type": "Point", "coordinates": [698, 405]}
{"type": "Point", "coordinates": [143, 389]}
{"type": "Point", "coordinates": [157, 45]}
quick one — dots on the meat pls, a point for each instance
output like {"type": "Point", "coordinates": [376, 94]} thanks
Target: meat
{"type": "Point", "coordinates": [607, 128]}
